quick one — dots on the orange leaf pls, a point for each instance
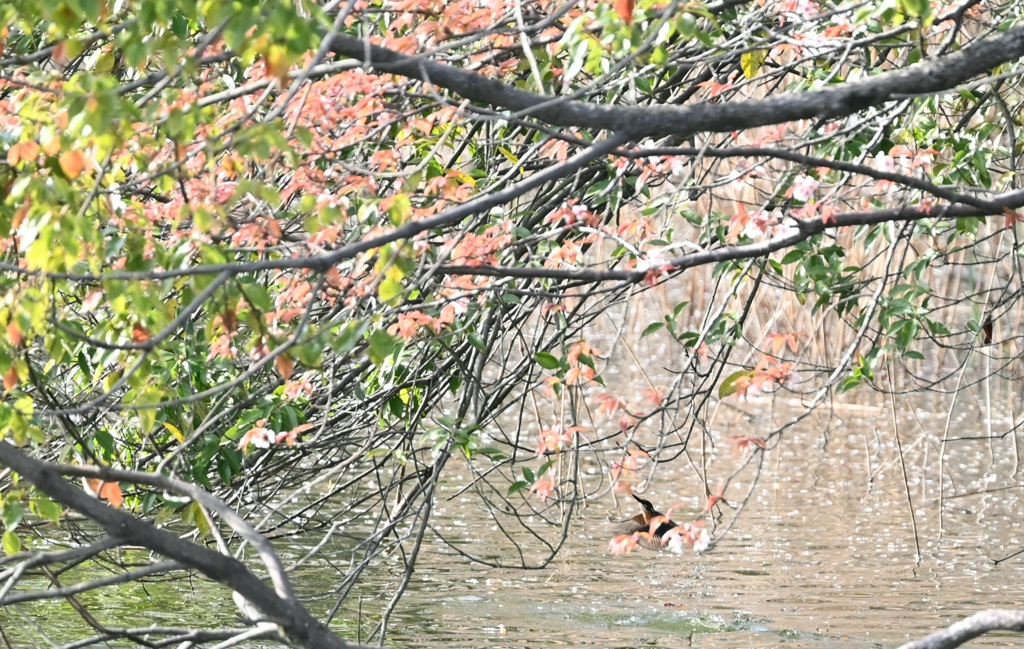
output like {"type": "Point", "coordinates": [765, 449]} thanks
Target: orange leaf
{"type": "Point", "coordinates": [139, 333]}
{"type": "Point", "coordinates": [27, 150]}
{"type": "Point", "coordinates": [739, 220]}
{"type": "Point", "coordinates": [714, 88]}
{"type": "Point", "coordinates": [11, 379]}
{"type": "Point", "coordinates": [290, 437]}
{"type": "Point", "coordinates": [285, 366]}
{"type": "Point", "coordinates": [20, 215]}
{"type": "Point", "coordinates": [108, 491]}
{"type": "Point", "coordinates": [14, 334]}
{"type": "Point", "coordinates": [274, 229]}
{"type": "Point", "coordinates": [60, 53]}
{"type": "Point", "coordinates": [72, 163]}
{"type": "Point", "coordinates": [625, 10]}
{"type": "Point", "coordinates": [229, 319]}
{"type": "Point", "coordinates": [51, 144]}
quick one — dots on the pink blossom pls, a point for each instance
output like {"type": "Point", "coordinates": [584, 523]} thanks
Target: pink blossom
{"type": "Point", "coordinates": [806, 9]}
{"type": "Point", "coordinates": [300, 387]}
{"type": "Point", "coordinates": [885, 163]}
{"type": "Point", "coordinates": [258, 436]}
{"type": "Point", "coordinates": [804, 187]}
{"type": "Point", "coordinates": [221, 347]}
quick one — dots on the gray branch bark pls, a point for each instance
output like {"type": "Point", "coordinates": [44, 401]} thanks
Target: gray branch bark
{"type": "Point", "coordinates": [996, 619]}
{"type": "Point", "coordinates": [931, 76]}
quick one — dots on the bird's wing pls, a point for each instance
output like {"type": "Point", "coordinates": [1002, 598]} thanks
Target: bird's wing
{"type": "Point", "coordinates": [635, 524]}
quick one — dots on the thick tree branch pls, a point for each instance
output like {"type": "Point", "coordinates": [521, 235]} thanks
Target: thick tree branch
{"type": "Point", "coordinates": [806, 229]}
{"type": "Point", "coordinates": [934, 75]}
{"type": "Point", "coordinates": [1009, 200]}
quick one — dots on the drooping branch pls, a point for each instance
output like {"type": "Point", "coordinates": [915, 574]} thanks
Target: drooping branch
{"type": "Point", "coordinates": [295, 621]}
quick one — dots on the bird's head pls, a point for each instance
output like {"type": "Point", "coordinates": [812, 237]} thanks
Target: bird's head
{"type": "Point", "coordinates": [649, 510]}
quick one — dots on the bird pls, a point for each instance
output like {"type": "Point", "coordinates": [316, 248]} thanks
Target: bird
{"type": "Point", "coordinates": [651, 539]}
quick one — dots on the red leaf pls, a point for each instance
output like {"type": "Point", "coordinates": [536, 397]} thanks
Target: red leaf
{"type": "Point", "coordinates": [108, 491]}
{"type": "Point", "coordinates": [285, 366]}
{"type": "Point", "coordinates": [625, 10]}
{"type": "Point", "coordinates": [139, 333]}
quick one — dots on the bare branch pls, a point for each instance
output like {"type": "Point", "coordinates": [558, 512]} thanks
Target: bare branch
{"type": "Point", "coordinates": [971, 627]}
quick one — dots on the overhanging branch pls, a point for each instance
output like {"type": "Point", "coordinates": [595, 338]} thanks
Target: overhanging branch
{"type": "Point", "coordinates": [930, 76]}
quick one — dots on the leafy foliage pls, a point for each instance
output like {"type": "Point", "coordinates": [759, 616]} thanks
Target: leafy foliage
{"type": "Point", "coordinates": [255, 246]}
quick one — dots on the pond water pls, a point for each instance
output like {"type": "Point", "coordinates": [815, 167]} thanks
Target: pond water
{"type": "Point", "coordinates": [824, 555]}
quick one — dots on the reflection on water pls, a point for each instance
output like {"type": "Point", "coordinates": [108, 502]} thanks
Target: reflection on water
{"type": "Point", "coordinates": [824, 556]}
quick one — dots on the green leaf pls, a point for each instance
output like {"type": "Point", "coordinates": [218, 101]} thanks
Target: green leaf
{"type": "Point", "coordinates": [12, 514]}
{"type": "Point", "coordinates": [517, 486]}
{"type": "Point", "coordinates": [311, 353]}
{"type": "Point", "coordinates": [348, 337]}
{"type": "Point", "coordinates": [199, 518]}
{"type": "Point", "coordinates": [47, 509]}
{"type": "Point", "coordinates": [544, 467]}
{"type": "Point", "coordinates": [476, 341]}
{"type": "Point", "coordinates": [390, 291]}
{"type": "Point", "coordinates": [400, 209]}
{"type": "Point", "coordinates": [547, 361]}
{"type": "Point", "coordinates": [751, 62]}
{"type": "Point", "coordinates": [916, 8]}
{"type": "Point", "coordinates": [494, 453]}
{"type": "Point", "coordinates": [793, 256]}
{"type": "Point", "coordinates": [848, 384]}
{"type": "Point", "coordinates": [382, 345]}
{"type": "Point", "coordinates": [105, 441]}
{"type": "Point", "coordinates": [258, 296]}
{"type": "Point", "coordinates": [651, 328]}
{"type": "Point", "coordinates": [729, 387]}
{"type": "Point", "coordinates": [11, 543]}
{"type": "Point", "coordinates": [528, 474]}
